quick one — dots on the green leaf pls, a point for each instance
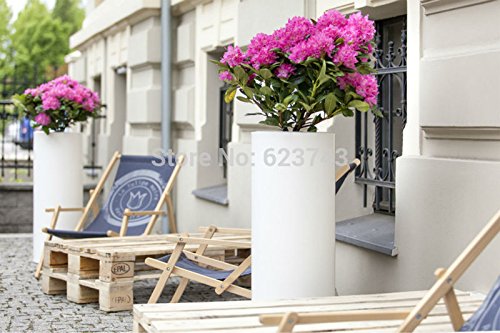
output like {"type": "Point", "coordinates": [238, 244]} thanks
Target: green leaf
{"type": "Point", "coordinates": [365, 69]}
{"type": "Point", "coordinates": [240, 74]}
{"type": "Point", "coordinates": [377, 112]}
{"type": "Point", "coordinates": [322, 77]}
{"type": "Point", "coordinates": [244, 99]}
{"type": "Point", "coordinates": [248, 91]}
{"type": "Point", "coordinates": [359, 105]}
{"type": "Point", "coordinates": [265, 73]}
{"type": "Point", "coordinates": [230, 94]}
{"type": "Point", "coordinates": [280, 106]}
{"type": "Point", "coordinates": [270, 122]}
{"type": "Point", "coordinates": [346, 112]}
{"type": "Point", "coordinates": [306, 106]}
{"type": "Point", "coordinates": [266, 91]}
{"type": "Point", "coordinates": [312, 129]}
{"type": "Point", "coordinates": [330, 103]}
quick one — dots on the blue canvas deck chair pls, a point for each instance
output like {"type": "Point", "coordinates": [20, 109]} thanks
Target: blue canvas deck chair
{"type": "Point", "coordinates": [186, 265]}
{"type": "Point", "coordinates": [142, 186]}
{"type": "Point", "coordinates": [486, 318]}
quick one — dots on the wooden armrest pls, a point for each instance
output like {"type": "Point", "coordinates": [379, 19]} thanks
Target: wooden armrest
{"type": "Point", "coordinates": [144, 212]}
{"type": "Point", "coordinates": [155, 263]}
{"type": "Point", "coordinates": [323, 317]}
{"type": "Point", "coordinates": [75, 209]}
{"type": "Point", "coordinates": [230, 231]}
{"type": "Point", "coordinates": [214, 242]}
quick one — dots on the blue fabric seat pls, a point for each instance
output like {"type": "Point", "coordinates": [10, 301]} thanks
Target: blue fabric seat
{"type": "Point", "coordinates": [184, 262]}
{"type": "Point", "coordinates": [139, 184]}
{"type": "Point", "coordinates": [487, 317]}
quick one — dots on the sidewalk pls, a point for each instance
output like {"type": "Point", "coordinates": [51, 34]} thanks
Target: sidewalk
{"type": "Point", "coordinates": [24, 308]}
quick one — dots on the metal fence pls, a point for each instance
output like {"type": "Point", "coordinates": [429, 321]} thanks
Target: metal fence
{"type": "Point", "coordinates": [16, 132]}
{"type": "Point", "coordinates": [379, 141]}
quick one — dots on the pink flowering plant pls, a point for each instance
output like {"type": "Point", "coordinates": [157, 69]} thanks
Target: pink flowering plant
{"type": "Point", "coordinates": [58, 104]}
{"type": "Point", "coordinates": [305, 72]}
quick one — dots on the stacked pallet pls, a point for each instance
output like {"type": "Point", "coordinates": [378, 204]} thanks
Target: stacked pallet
{"type": "Point", "coordinates": [104, 269]}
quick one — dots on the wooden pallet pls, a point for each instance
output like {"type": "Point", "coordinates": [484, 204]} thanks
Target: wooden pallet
{"type": "Point", "coordinates": [243, 316]}
{"type": "Point", "coordinates": [104, 269]}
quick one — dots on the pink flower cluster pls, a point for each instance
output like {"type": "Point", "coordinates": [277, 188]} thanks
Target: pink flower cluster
{"type": "Point", "coordinates": [335, 36]}
{"type": "Point", "coordinates": [64, 89]}
{"type": "Point", "coordinates": [345, 41]}
{"type": "Point", "coordinates": [365, 86]}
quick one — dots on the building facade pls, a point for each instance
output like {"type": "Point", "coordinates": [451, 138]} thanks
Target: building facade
{"type": "Point", "coordinates": [429, 169]}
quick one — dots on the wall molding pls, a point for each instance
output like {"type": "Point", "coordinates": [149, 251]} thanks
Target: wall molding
{"type": "Point", "coordinates": [462, 133]}
{"type": "Point", "coordinates": [438, 6]}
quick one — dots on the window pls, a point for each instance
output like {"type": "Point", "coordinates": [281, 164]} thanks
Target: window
{"type": "Point", "coordinates": [379, 140]}
{"type": "Point", "coordinates": [225, 125]}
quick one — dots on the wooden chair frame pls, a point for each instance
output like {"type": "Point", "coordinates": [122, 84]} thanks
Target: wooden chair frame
{"type": "Point", "coordinates": [92, 205]}
{"type": "Point", "coordinates": [345, 168]}
{"type": "Point", "coordinates": [442, 289]}
{"type": "Point", "coordinates": [170, 267]}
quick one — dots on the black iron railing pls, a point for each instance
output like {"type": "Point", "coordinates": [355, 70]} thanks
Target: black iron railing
{"type": "Point", "coordinates": [225, 125]}
{"type": "Point", "coordinates": [379, 140]}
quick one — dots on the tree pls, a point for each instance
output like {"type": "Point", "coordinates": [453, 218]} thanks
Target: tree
{"type": "Point", "coordinates": [70, 13]}
{"type": "Point", "coordinates": [5, 51]}
{"type": "Point", "coordinates": [38, 40]}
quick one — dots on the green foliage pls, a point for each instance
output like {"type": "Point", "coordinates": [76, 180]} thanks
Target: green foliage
{"type": "Point", "coordinates": [300, 102]}
{"type": "Point", "coordinates": [38, 39]}
{"type": "Point", "coordinates": [70, 13]}
{"type": "Point", "coordinates": [5, 50]}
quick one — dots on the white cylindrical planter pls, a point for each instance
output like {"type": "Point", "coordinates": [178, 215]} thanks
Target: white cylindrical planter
{"type": "Point", "coordinates": [57, 180]}
{"type": "Point", "coordinates": [293, 215]}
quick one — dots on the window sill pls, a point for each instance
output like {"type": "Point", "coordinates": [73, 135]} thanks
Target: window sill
{"type": "Point", "coordinates": [374, 232]}
{"type": "Point", "coordinates": [216, 194]}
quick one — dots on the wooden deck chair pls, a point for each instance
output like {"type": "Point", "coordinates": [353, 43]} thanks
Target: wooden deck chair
{"type": "Point", "coordinates": [442, 289]}
{"type": "Point", "coordinates": [186, 265]}
{"type": "Point", "coordinates": [343, 172]}
{"type": "Point", "coordinates": [135, 202]}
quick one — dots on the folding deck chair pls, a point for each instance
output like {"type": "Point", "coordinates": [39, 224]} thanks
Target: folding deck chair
{"type": "Point", "coordinates": [140, 189]}
{"type": "Point", "coordinates": [487, 317]}
{"type": "Point", "coordinates": [187, 266]}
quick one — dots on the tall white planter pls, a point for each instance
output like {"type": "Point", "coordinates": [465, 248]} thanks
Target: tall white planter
{"type": "Point", "coordinates": [293, 215]}
{"type": "Point", "coordinates": [57, 180]}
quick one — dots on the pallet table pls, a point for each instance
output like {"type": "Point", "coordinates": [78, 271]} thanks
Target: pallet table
{"type": "Point", "coordinates": [243, 316]}
{"type": "Point", "coordinates": [104, 269]}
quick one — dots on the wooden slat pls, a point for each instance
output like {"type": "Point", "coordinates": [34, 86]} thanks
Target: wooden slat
{"type": "Point", "coordinates": [242, 316]}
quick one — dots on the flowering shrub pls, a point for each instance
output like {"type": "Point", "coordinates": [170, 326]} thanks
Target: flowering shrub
{"type": "Point", "coordinates": [305, 72]}
{"type": "Point", "coordinates": [58, 104]}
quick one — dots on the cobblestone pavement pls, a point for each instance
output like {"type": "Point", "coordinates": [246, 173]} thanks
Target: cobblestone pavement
{"type": "Point", "coordinates": [24, 308]}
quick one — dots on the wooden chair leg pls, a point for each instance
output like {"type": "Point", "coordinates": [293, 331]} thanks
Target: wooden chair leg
{"type": "Point", "coordinates": [180, 290]}
{"type": "Point", "coordinates": [53, 223]}
{"type": "Point", "coordinates": [172, 225]}
{"type": "Point", "coordinates": [451, 302]}
{"type": "Point", "coordinates": [457, 319]}
{"type": "Point", "coordinates": [288, 322]}
{"type": "Point", "coordinates": [165, 275]}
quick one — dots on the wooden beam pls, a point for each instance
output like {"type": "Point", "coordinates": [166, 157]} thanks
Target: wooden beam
{"type": "Point", "coordinates": [452, 274]}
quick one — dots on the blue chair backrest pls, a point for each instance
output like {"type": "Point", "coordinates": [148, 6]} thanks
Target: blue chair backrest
{"type": "Point", "coordinates": [138, 186]}
{"type": "Point", "coordinates": [487, 317]}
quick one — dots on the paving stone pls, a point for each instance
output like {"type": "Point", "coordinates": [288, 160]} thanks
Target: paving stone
{"type": "Point", "coordinates": [24, 308]}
